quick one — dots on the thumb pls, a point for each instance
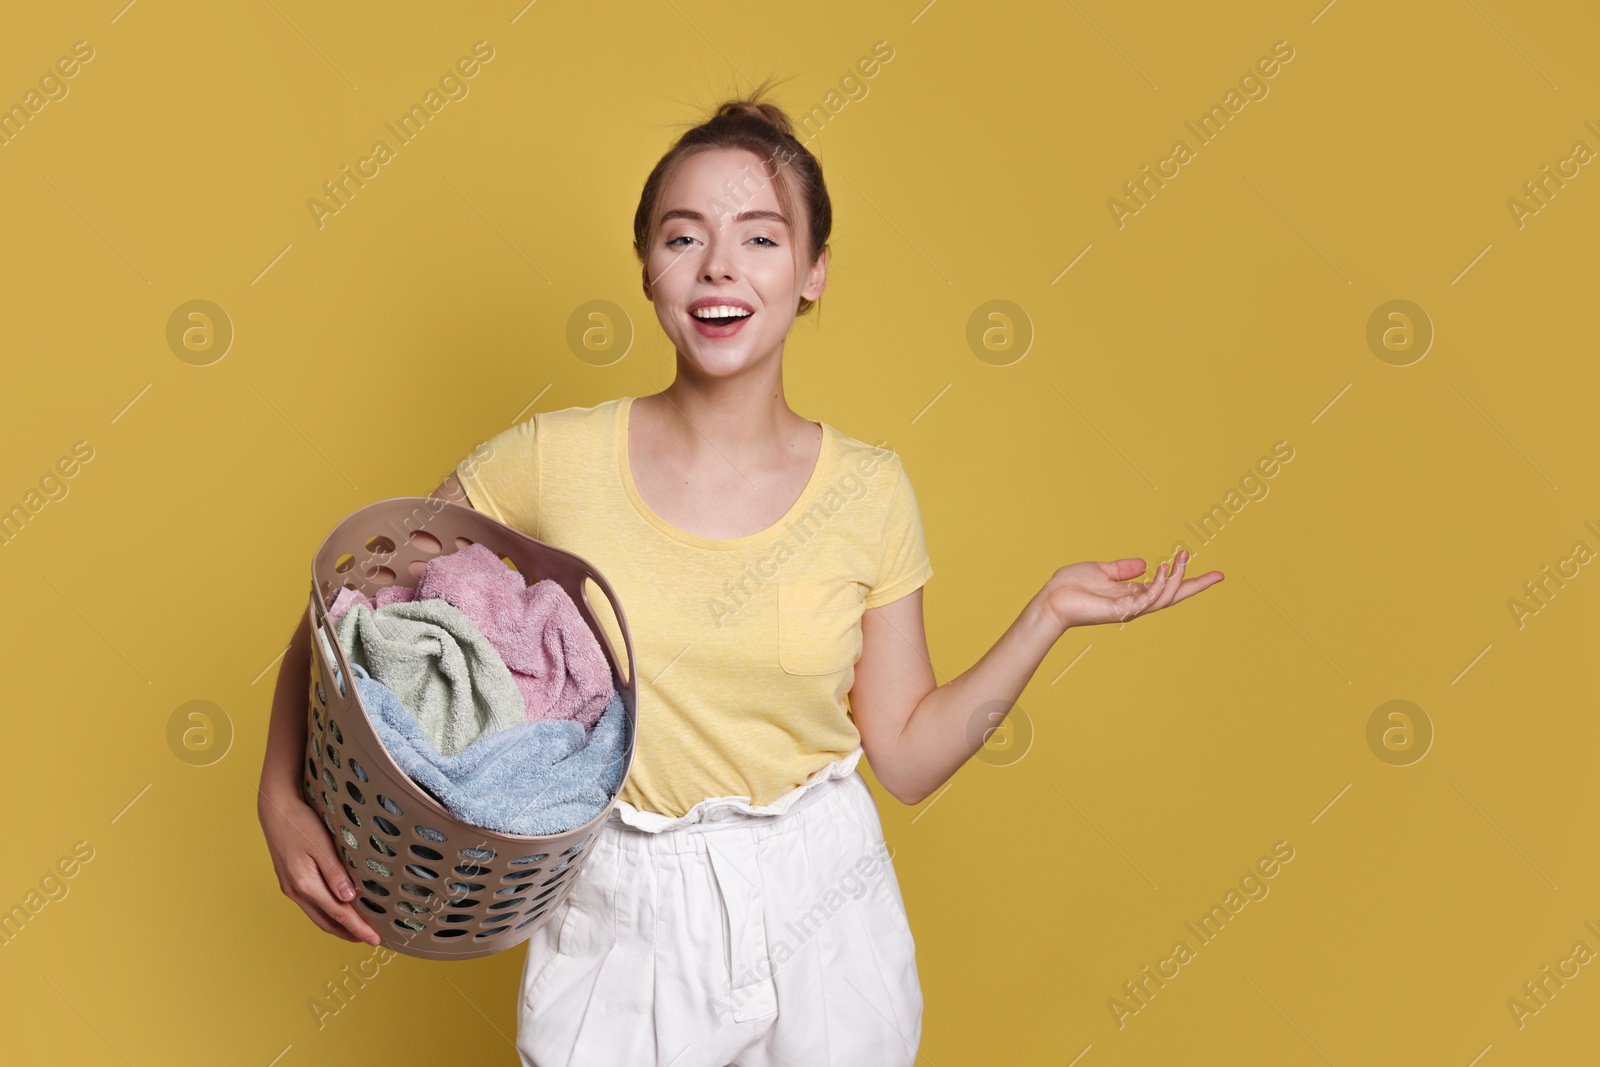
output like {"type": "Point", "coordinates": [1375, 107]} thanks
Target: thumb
{"type": "Point", "coordinates": [1125, 568]}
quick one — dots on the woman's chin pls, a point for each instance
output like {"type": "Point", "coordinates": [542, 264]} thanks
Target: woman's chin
{"type": "Point", "coordinates": [714, 359]}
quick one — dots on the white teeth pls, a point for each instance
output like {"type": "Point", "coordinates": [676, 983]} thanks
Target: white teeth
{"type": "Point", "coordinates": [722, 312]}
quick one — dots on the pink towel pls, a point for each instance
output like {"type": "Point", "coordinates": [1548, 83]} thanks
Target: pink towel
{"type": "Point", "coordinates": [552, 653]}
{"type": "Point", "coordinates": [348, 598]}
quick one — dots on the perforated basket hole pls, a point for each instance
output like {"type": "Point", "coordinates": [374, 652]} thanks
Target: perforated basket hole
{"type": "Point", "coordinates": [520, 860]}
{"type": "Point", "coordinates": [516, 876]}
{"type": "Point", "coordinates": [329, 823]}
{"type": "Point", "coordinates": [419, 871]}
{"type": "Point", "coordinates": [473, 872]}
{"type": "Point", "coordinates": [322, 696]}
{"type": "Point", "coordinates": [355, 794]}
{"type": "Point", "coordinates": [389, 806]}
{"type": "Point", "coordinates": [377, 889]}
{"type": "Point", "coordinates": [374, 906]}
{"type": "Point", "coordinates": [316, 746]}
{"type": "Point", "coordinates": [333, 756]}
{"type": "Point", "coordinates": [418, 568]}
{"type": "Point", "coordinates": [327, 777]}
{"type": "Point", "coordinates": [327, 801]}
{"type": "Point", "coordinates": [409, 924]}
{"type": "Point", "coordinates": [526, 922]}
{"type": "Point", "coordinates": [424, 852]}
{"type": "Point", "coordinates": [379, 575]}
{"type": "Point", "coordinates": [416, 890]}
{"type": "Point", "coordinates": [465, 887]}
{"type": "Point", "coordinates": [450, 933]}
{"type": "Point", "coordinates": [478, 853]}
{"type": "Point", "coordinates": [382, 869]}
{"type": "Point", "coordinates": [380, 545]}
{"type": "Point", "coordinates": [455, 919]}
{"type": "Point", "coordinates": [510, 890]}
{"type": "Point", "coordinates": [359, 771]}
{"type": "Point", "coordinates": [386, 826]}
{"type": "Point", "coordinates": [426, 542]}
{"type": "Point", "coordinates": [463, 903]}
{"type": "Point", "coordinates": [509, 562]}
{"type": "Point", "coordinates": [430, 833]}
{"type": "Point", "coordinates": [343, 564]}
{"type": "Point", "coordinates": [350, 861]}
{"type": "Point", "coordinates": [496, 930]}
{"type": "Point", "coordinates": [349, 838]}
{"type": "Point", "coordinates": [350, 813]}
{"type": "Point", "coordinates": [500, 905]}
{"type": "Point", "coordinates": [380, 846]}
{"type": "Point", "coordinates": [338, 734]}
{"type": "Point", "coordinates": [410, 907]}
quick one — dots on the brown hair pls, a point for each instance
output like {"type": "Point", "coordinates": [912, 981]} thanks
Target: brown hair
{"type": "Point", "coordinates": [763, 128]}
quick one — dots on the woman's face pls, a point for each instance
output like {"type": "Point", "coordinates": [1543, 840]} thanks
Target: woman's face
{"type": "Point", "coordinates": [724, 243]}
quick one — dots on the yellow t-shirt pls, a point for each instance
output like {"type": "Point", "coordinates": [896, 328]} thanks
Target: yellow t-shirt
{"type": "Point", "coordinates": [746, 646]}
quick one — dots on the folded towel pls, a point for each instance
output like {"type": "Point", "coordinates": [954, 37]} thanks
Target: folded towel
{"type": "Point", "coordinates": [554, 657]}
{"type": "Point", "coordinates": [538, 778]}
{"type": "Point", "coordinates": [389, 594]}
{"type": "Point", "coordinates": [442, 669]}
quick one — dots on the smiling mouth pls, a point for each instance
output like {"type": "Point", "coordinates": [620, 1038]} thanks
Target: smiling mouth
{"type": "Point", "coordinates": [721, 316]}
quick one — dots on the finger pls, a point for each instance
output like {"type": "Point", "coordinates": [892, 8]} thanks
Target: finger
{"type": "Point", "coordinates": [1122, 569]}
{"type": "Point", "coordinates": [1195, 585]}
{"type": "Point", "coordinates": [328, 925]}
{"type": "Point", "coordinates": [353, 922]}
{"type": "Point", "coordinates": [334, 878]}
{"type": "Point", "coordinates": [344, 914]}
{"type": "Point", "coordinates": [1174, 584]}
{"type": "Point", "coordinates": [347, 917]}
{"type": "Point", "coordinates": [1141, 592]}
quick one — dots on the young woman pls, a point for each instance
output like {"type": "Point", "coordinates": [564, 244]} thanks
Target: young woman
{"type": "Point", "coordinates": [739, 905]}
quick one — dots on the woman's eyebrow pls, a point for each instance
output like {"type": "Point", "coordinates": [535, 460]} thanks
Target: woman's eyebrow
{"type": "Point", "coordinates": [743, 216]}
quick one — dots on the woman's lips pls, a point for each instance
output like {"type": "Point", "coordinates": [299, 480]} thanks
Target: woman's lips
{"type": "Point", "coordinates": [728, 330]}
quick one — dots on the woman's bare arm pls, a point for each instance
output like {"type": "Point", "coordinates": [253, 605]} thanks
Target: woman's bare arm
{"type": "Point", "coordinates": [310, 870]}
{"type": "Point", "coordinates": [916, 734]}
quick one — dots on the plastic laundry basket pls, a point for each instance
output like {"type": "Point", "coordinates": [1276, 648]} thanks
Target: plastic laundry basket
{"type": "Point", "coordinates": [433, 886]}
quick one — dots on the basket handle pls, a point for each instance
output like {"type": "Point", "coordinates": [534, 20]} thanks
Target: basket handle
{"type": "Point", "coordinates": [322, 627]}
{"type": "Point", "coordinates": [622, 624]}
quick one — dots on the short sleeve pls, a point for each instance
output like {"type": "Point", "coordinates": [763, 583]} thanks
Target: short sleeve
{"type": "Point", "coordinates": [501, 477]}
{"type": "Point", "coordinates": [904, 563]}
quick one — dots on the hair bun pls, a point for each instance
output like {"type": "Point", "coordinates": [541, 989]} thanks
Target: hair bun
{"type": "Point", "coordinates": [771, 114]}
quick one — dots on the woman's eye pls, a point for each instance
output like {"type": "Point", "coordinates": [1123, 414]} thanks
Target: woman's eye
{"type": "Point", "coordinates": [770, 242]}
{"type": "Point", "coordinates": [674, 242]}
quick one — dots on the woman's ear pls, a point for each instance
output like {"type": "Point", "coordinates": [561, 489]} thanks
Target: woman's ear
{"type": "Point", "coordinates": [817, 279]}
{"type": "Point", "coordinates": [644, 282]}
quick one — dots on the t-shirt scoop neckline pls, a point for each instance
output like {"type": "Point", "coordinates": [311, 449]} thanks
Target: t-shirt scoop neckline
{"type": "Point", "coordinates": [818, 474]}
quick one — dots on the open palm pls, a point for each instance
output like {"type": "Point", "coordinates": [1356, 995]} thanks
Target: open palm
{"type": "Point", "coordinates": [1084, 594]}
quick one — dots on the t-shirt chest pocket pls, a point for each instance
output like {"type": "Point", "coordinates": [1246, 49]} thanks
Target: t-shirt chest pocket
{"type": "Point", "coordinates": [819, 626]}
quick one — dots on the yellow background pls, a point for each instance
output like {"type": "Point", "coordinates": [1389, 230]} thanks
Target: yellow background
{"type": "Point", "coordinates": [1230, 313]}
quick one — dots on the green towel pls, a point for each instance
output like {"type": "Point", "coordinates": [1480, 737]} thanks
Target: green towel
{"type": "Point", "coordinates": [440, 665]}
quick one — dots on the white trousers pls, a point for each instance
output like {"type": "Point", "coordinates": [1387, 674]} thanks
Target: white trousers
{"type": "Point", "coordinates": [754, 937]}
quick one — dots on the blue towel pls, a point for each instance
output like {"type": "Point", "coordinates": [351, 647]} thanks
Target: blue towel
{"type": "Point", "coordinates": [534, 779]}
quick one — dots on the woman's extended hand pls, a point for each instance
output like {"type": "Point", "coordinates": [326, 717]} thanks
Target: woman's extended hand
{"type": "Point", "coordinates": [309, 869]}
{"type": "Point", "coordinates": [1084, 594]}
